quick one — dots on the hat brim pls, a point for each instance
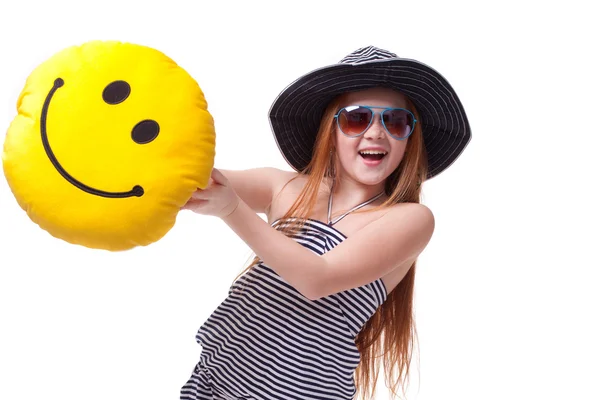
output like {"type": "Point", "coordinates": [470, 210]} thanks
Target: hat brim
{"type": "Point", "coordinates": [296, 113]}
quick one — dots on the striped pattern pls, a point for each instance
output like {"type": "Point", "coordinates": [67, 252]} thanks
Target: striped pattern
{"type": "Point", "coordinates": [267, 341]}
{"type": "Point", "coordinates": [296, 113]}
{"type": "Point", "coordinates": [367, 54]}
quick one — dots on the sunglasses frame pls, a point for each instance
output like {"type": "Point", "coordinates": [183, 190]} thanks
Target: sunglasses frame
{"type": "Point", "coordinates": [336, 117]}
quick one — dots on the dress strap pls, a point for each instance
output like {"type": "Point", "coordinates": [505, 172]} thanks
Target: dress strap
{"type": "Point", "coordinates": [330, 222]}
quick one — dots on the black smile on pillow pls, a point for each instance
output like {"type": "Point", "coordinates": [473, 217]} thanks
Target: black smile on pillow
{"type": "Point", "coordinates": [143, 132]}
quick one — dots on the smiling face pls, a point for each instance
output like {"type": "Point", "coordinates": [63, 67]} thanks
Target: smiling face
{"type": "Point", "coordinates": [143, 132]}
{"type": "Point", "coordinates": [110, 140]}
{"type": "Point", "coordinates": [353, 159]}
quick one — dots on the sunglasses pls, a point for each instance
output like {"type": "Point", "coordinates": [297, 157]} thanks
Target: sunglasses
{"type": "Point", "coordinates": [354, 121]}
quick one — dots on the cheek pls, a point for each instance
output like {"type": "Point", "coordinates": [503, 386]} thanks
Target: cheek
{"type": "Point", "coordinates": [398, 153]}
{"type": "Point", "coordinates": [347, 160]}
{"type": "Point", "coordinates": [346, 150]}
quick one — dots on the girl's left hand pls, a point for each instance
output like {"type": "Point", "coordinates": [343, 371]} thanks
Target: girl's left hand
{"type": "Point", "coordinates": [218, 199]}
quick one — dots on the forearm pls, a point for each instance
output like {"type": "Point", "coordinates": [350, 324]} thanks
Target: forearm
{"type": "Point", "coordinates": [296, 264]}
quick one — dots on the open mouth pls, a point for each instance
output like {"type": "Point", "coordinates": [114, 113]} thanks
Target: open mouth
{"type": "Point", "coordinates": [372, 155]}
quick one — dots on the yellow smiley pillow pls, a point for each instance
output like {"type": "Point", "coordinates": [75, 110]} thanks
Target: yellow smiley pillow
{"type": "Point", "coordinates": [110, 141]}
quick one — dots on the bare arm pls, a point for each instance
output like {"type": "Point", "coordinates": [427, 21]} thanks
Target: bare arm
{"type": "Point", "coordinates": [257, 186]}
{"type": "Point", "coordinates": [398, 236]}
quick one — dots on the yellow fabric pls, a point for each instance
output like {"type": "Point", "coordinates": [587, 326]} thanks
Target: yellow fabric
{"type": "Point", "coordinates": [92, 141]}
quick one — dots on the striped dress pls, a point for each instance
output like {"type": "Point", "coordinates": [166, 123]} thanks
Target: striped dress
{"type": "Point", "coordinates": [268, 341]}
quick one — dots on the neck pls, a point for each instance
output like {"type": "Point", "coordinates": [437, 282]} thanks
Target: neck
{"type": "Point", "coordinates": [347, 193]}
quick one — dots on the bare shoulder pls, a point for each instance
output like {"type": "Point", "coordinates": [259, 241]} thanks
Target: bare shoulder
{"type": "Point", "coordinates": [409, 217]}
{"type": "Point", "coordinates": [280, 180]}
{"type": "Point", "coordinates": [399, 236]}
{"type": "Point", "coordinates": [419, 209]}
{"type": "Point", "coordinates": [414, 224]}
{"type": "Point", "coordinates": [280, 177]}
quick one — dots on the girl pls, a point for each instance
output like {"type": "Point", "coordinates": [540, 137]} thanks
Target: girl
{"type": "Point", "coordinates": [331, 288]}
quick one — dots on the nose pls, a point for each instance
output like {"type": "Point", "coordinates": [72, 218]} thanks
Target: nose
{"type": "Point", "coordinates": [376, 130]}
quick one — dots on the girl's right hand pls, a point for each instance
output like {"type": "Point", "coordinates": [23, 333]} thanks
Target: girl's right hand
{"type": "Point", "coordinates": [218, 199]}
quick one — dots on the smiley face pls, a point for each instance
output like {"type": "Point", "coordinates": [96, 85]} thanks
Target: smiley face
{"type": "Point", "coordinates": [143, 132]}
{"type": "Point", "coordinates": [109, 142]}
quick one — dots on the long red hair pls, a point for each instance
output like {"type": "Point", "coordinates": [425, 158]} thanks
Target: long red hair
{"type": "Point", "coordinates": [390, 333]}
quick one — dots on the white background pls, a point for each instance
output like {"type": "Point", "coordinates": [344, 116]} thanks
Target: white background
{"type": "Point", "coordinates": [507, 292]}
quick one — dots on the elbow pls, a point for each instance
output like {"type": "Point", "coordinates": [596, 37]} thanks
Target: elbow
{"type": "Point", "coordinates": [309, 290]}
{"type": "Point", "coordinates": [314, 297]}
{"type": "Point", "coordinates": [310, 293]}
{"type": "Point", "coordinates": [314, 285]}
{"type": "Point", "coordinates": [310, 277]}
{"type": "Point", "coordinates": [314, 291]}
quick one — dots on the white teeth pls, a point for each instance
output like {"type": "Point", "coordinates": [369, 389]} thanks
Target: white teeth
{"type": "Point", "coordinates": [373, 152]}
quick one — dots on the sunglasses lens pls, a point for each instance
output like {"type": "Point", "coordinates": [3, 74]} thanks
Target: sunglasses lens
{"type": "Point", "coordinates": [398, 122]}
{"type": "Point", "coordinates": [354, 120]}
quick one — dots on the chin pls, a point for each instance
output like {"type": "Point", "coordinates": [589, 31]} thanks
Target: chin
{"type": "Point", "coordinates": [372, 182]}
{"type": "Point", "coordinates": [369, 175]}
{"type": "Point", "coordinates": [371, 179]}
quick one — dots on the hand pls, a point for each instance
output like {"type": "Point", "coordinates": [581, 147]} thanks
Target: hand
{"type": "Point", "coordinates": [218, 199]}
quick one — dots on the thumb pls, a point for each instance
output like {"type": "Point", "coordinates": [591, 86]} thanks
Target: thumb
{"type": "Point", "coordinates": [218, 177]}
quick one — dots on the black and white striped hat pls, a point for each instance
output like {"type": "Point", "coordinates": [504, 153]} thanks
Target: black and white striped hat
{"type": "Point", "coordinates": [296, 113]}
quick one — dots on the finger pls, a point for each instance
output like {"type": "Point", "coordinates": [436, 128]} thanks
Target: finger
{"type": "Point", "coordinates": [193, 204]}
{"type": "Point", "coordinates": [198, 195]}
{"type": "Point", "coordinates": [218, 177]}
{"type": "Point", "coordinates": [203, 194]}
